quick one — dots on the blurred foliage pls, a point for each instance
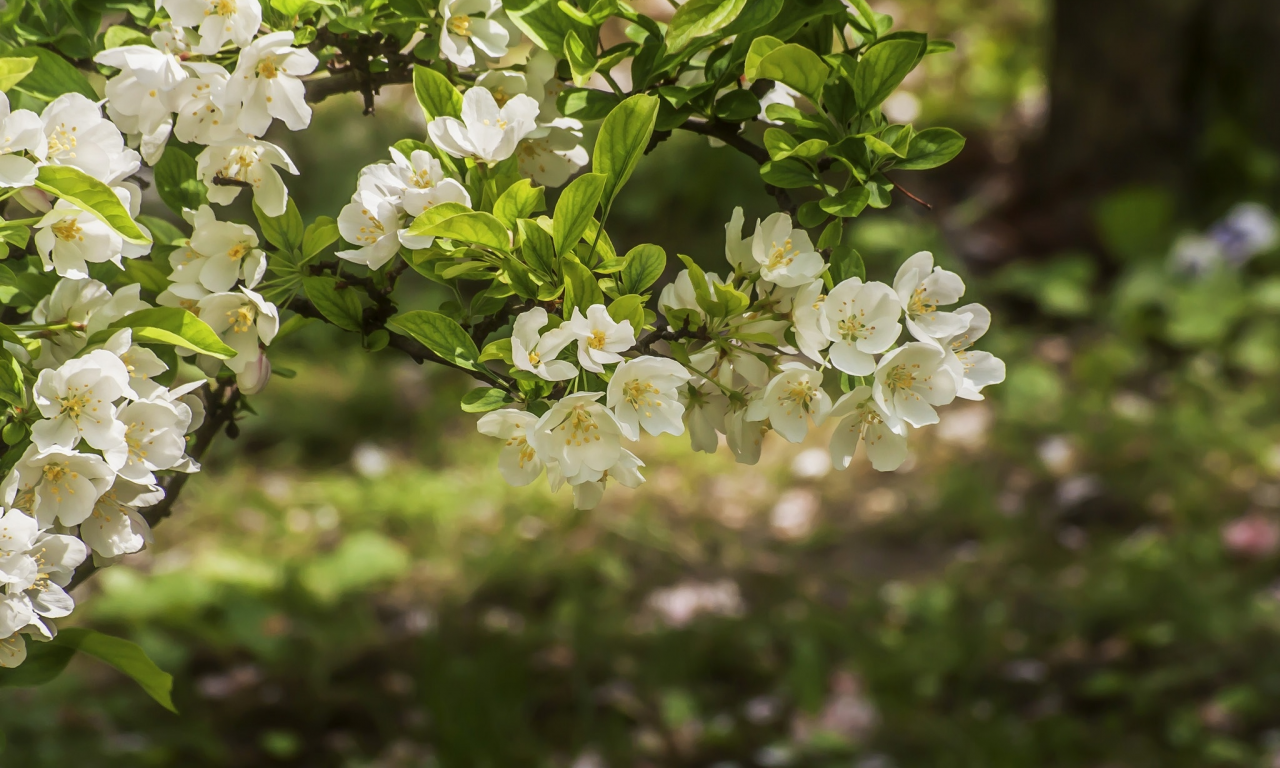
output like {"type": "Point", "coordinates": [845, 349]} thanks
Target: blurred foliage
{"type": "Point", "coordinates": [1079, 571]}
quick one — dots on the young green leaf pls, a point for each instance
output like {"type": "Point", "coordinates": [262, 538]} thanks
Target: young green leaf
{"type": "Point", "coordinates": [760, 47]}
{"type": "Point", "coordinates": [77, 187]}
{"type": "Point", "coordinates": [319, 234]}
{"type": "Point", "coordinates": [520, 201]}
{"type": "Point", "coordinates": [176, 326]}
{"type": "Point", "coordinates": [45, 661]}
{"type": "Point", "coordinates": [472, 227]}
{"type": "Point", "coordinates": [484, 399]}
{"type": "Point", "coordinates": [623, 138]}
{"type": "Point", "coordinates": [848, 203]}
{"type": "Point", "coordinates": [699, 18]}
{"type": "Point", "coordinates": [575, 209]}
{"type": "Point", "coordinates": [438, 333]}
{"type": "Point", "coordinates": [582, 60]}
{"type": "Point", "coordinates": [586, 103]}
{"type": "Point", "coordinates": [628, 307]}
{"type": "Point", "coordinates": [644, 265]}
{"type": "Point", "coordinates": [284, 231]}
{"type": "Point", "coordinates": [882, 69]}
{"type": "Point", "coordinates": [436, 95]}
{"type": "Point", "coordinates": [537, 247]}
{"type": "Point", "coordinates": [846, 263]}
{"type": "Point", "coordinates": [177, 183]}
{"type": "Point", "coordinates": [580, 287]}
{"type": "Point", "coordinates": [52, 75]}
{"type": "Point", "coordinates": [125, 656]}
{"type": "Point", "coordinates": [339, 306]}
{"type": "Point", "coordinates": [931, 148]}
{"type": "Point", "coordinates": [546, 24]}
{"type": "Point", "coordinates": [13, 69]}
{"type": "Point", "coordinates": [792, 65]}
{"type": "Point", "coordinates": [788, 174]}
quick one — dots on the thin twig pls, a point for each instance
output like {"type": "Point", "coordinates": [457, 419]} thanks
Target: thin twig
{"type": "Point", "coordinates": [903, 190]}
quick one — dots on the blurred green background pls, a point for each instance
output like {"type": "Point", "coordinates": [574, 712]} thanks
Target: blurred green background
{"type": "Point", "coordinates": [1079, 571]}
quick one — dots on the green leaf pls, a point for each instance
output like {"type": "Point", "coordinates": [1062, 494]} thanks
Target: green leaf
{"type": "Point", "coordinates": [930, 148]}
{"type": "Point", "coordinates": [882, 69]}
{"type": "Point", "coordinates": [580, 287]}
{"type": "Point", "coordinates": [587, 104]}
{"type": "Point", "coordinates": [644, 265]}
{"type": "Point", "coordinates": [319, 234]}
{"type": "Point", "coordinates": [832, 235]}
{"type": "Point", "coordinates": [172, 325]}
{"type": "Point", "coordinates": [292, 8]}
{"type": "Point", "coordinates": [13, 69]}
{"type": "Point", "coordinates": [119, 35]}
{"type": "Point", "coordinates": [848, 203]}
{"type": "Point", "coordinates": [125, 656]}
{"type": "Point", "coordinates": [582, 60]}
{"type": "Point", "coordinates": [339, 306]}
{"type": "Point", "coordinates": [284, 231]}
{"type": "Point", "coordinates": [760, 47]}
{"type": "Point", "coordinates": [699, 18]}
{"type": "Point", "coordinates": [543, 21]}
{"type": "Point", "coordinates": [436, 95]}
{"type": "Point", "coordinates": [792, 65]}
{"type": "Point", "coordinates": [471, 227]}
{"type": "Point", "coordinates": [484, 399]}
{"type": "Point", "coordinates": [177, 183]}
{"type": "Point", "coordinates": [537, 247]}
{"type": "Point", "coordinates": [939, 46]}
{"type": "Point", "coordinates": [737, 106]}
{"type": "Point", "coordinates": [498, 349]}
{"type": "Point", "coordinates": [45, 661]}
{"type": "Point", "coordinates": [79, 188]}
{"type": "Point", "coordinates": [880, 148]}
{"type": "Point", "coordinates": [52, 76]}
{"type": "Point", "coordinates": [624, 136]}
{"type": "Point", "coordinates": [788, 174]}
{"type": "Point", "coordinates": [628, 307]}
{"type": "Point", "coordinates": [521, 281]}
{"type": "Point", "coordinates": [782, 145]}
{"type": "Point", "coordinates": [440, 334]}
{"type": "Point", "coordinates": [846, 263]}
{"type": "Point", "coordinates": [575, 209]}
{"type": "Point", "coordinates": [519, 201]}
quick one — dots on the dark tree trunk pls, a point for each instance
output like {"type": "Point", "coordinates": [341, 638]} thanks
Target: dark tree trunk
{"type": "Point", "coordinates": [1179, 94]}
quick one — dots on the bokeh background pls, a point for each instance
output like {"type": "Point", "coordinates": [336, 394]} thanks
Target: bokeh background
{"type": "Point", "coordinates": [1079, 571]}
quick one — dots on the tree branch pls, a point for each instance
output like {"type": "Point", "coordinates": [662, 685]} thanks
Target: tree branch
{"type": "Point", "coordinates": [351, 81]}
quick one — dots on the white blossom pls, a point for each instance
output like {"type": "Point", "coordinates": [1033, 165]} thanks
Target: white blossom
{"type": "Point", "coordinates": [581, 435]}
{"type": "Point", "coordinates": [745, 433]}
{"type": "Point", "coordinates": [225, 168]}
{"type": "Point", "coordinates": [218, 255]}
{"type": "Point", "coordinates": [861, 321]}
{"type": "Point", "coordinates": [57, 485]}
{"type": "Point", "coordinates": [911, 380]}
{"type": "Point", "coordinates": [20, 132]}
{"type": "Point", "coordinates": [78, 135]}
{"type": "Point", "coordinates": [371, 222]}
{"type": "Point", "coordinates": [642, 393]}
{"type": "Point", "coordinates": [517, 460]}
{"type": "Point", "coordinates": [536, 353]}
{"type": "Point", "coordinates": [587, 494]}
{"type": "Point", "coordinates": [197, 101]}
{"type": "Point", "coordinates": [680, 295]}
{"type": "Point", "coordinates": [599, 337]}
{"type": "Point", "coordinates": [77, 401]}
{"type": "Point", "coordinates": [485, 132]}
{"type": "Point", "coordinates": [793, 397]}
{"type": "Point", "coordinates": [860, 419]}
{"type": "Point", "coordinates": [786, 255]}
{"type": "Point", "coordinates": [810, 322]}
{"type": "Point", "coordinates": [465, 31]}
{"type": "Point", "coordinates": [973, 369]}
{"type": "Point", "coordinates": [34, 568]}
{"type": "Point", "coordinates": [265, 85]}
{"type": "Point", "coordinates": [116, 527]}
{"type": "Point", "coordinates": [922, 288]}
{"type": "Point", "coordinates": [140, 99]}
{"type": "Point", "coordinates": [553, 152]}
{"type": "Point", "coordinates": [216, 21]}
{"type": "Point", "coordinates": [705, 410]}
{"type": "Point", "coordinates": [241, 319]}
{"type": "Point", "coordinates": [69, 238]}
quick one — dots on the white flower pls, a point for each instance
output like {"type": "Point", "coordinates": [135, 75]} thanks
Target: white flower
{"type": "Point", "coordinates": [790, 400]}
{"type": "Point", "coordinates": [57, 485]}
{"type": "Point", "coordinates": [553, 153]}
{"type": "Point", "coordinates": [20, 131]}
{"type": "Point", "coordinates": [140, 362]}
{"type": "Point", "coordinates": [265, 84]}
{"type": "Point", "coordinates": [809, 321]}
{"type": "Point", "coordinates": [78, 135]}
{"type": "Point", "coordinates": [155, 433]}
{"type": "Point", "coordinates": [786, 256]}
{"type": "Point", "coordinates": [973, 369]}
{"type": "Point", "coordinates": [517, 461]}
{"type": "Point", "coordinates": [737, 251]}
{"type": "Point", "coordinates": [536, 353]}
{"type": "Point", "coordinates": [36, 566]}
{"type": "Point", "coordinates": [745, 434]}
{"type": "Point", "coordinates": [600, 339]}
{"type": "Point", "coordinates": [463, 28]}
{"type": "Point", "coordinates": [68, 238]}
{"type": "Point", "coordinates": [922, 288]}
{"type": "Point", "coordinates": [911, 380]}
{"type": "Point", "coordinates": [485, 132]}
{"type": "Point", "coordinates": [861, 321]}
{"type": "Point", "coordinates": [411, 185]}
{"type": "Point", "coordinates": [252, 163]}
{"type": "Point", "coordinates": [73, 302]}
{"type": "Point", "coordinates": [425, 183]}
{"type": "Point", "coordinates": [371, 222]}
{"type": "Point", "coordinates": [217, 21]}
{"type": "Point", "coordinates": [705, 411]}
{"type": "Point", "coordinates": [778, 94]}
{"type": "Point", "coordinates": [587, 494]}
{"type": "Point", "coordinates": [242, 319]}
{"type": "Point", "coordinates": [77, 401]}
{"type": "Point", "coordinates": [642, 393]}
{"type": "Point", "coordinates": [679, 293]}
{"type": "Point", "coordinates": [140, 99]}
{"type": "Point", "coordinates": [581, 435]}
{"type": "Point", "coordinates": [861, 419]}
{"type": "Point", "coordinates": [116, 527]}
{"type": "Point", "coordinates": [219, 254]}
{"type": "Point", "coordinates": [198, 104]}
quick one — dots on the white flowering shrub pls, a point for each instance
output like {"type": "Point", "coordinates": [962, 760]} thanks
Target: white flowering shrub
{"type": "Point", "coordinates": [132, 339]}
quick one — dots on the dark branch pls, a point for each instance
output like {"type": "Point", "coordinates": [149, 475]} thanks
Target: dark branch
{"type": "Point", "coordinates": [903, 190]}
{"type": "Point", "coordinates": [352, 81]}
{"type": "Point", "coordinates": [728, 133]}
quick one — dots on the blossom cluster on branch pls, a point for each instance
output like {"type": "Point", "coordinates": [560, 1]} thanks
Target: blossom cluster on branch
{"type": "Point", "coordinates": [131, 337]}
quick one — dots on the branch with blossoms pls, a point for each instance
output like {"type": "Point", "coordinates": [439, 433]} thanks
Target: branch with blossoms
{"type": "Point", "coordinates": [133, 338]}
